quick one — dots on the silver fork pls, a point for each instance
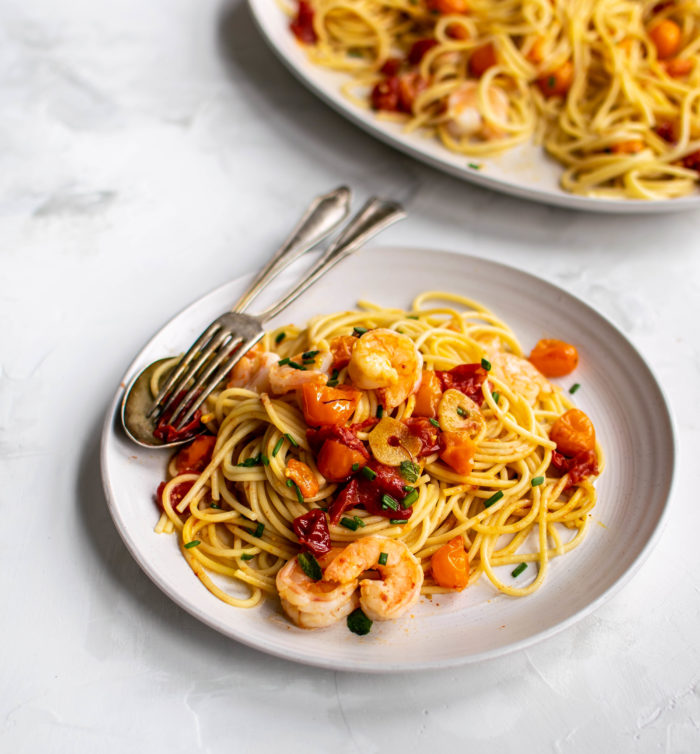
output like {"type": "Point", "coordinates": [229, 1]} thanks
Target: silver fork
{"type": "Point", "coordinates": [219, 348]}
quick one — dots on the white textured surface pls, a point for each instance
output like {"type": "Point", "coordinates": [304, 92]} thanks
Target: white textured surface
{"type": "Point", "coordinates": [150, 151]}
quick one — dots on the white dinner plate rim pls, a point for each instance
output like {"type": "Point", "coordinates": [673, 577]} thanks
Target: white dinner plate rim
{"type": "Point", "coordinates": [261, 11]}
{"type": "Point", "coordinates": [110, 425]}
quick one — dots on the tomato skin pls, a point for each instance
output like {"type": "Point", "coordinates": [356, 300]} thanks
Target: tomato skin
{"type": "Point", "coordinates": [328, 405]}
{"type": "Point", "coordinates": [303, 25]}
{"type": "Point", "coordinates": [458, 451]}
{"type": "Point", "coordinates": [341, 350]}
{"type": "Point", "coordinates": [335, 461]}
{"type": "Point", "coordinates": [427, 433]}
{"type": "Point", "coordinates": [195, 457]}
{"type": "Point", "coordinates": [448, 6]}
{"type": "Point", "coordinates": [467, 378]}
{"type": "Point", "coordinates": [428, 395]}
{"type": "Point", "coordinates": [312, 532]}
{"type": "Point", "coordinates": [557, 83]}
{"type": "Point", "coordinates": [666, 36]}
{"type": "Point", "coordinates": [581, 466]}
{"type": "Point", "coordinates": [554, 358]}
{"type": "Point", "coordinates": [419, 48]}
{"type": "Point", "coordinates": [482, 59]}
{"type": "Point", "coordinates": [176, 496]}
{"type": "Point", "coordinates": [302, 476]}
{"type": "Point", "coordinates": [450, 565]}
{"type": "Point", "coordinates": [573, 432]}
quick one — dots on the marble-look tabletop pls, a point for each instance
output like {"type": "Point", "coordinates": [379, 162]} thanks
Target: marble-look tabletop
{"type": "Point", "coordinates": [149, 152]}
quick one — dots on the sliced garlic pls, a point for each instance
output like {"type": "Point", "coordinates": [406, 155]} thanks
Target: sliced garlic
{"type": "Point", "coordinates": [391, 442]}
{"type": "Point", "coordinates": [458, 413]}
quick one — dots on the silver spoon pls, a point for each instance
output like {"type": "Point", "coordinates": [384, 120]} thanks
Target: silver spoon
{"type": "Point", "coordinates": [324, 214]}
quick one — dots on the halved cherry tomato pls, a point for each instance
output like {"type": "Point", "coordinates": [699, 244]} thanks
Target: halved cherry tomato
{"type": "Point", "coordinates": [302, 476]}
{"type": "Point", "coordinates": [328, 405]}
{"type": "Point", "coordinates": [690, 161]}
{"type": "Point", "coordinates": [631, 146]}
{"type": "Point", "coordinates": [428, 395]}
{"type": "Point", "coordinates": [336, 460]}
{"type": "Point", "coordinates": [573, 432]}
{"type": "Point", "coordinates": [312, 531]}
{"type": "Point", "coordinates": [482, 59]}
{"type": "Point", "coordinates": [579, 467]}
{"type": "Point", "coordinates": [303, 25]}
{"type": "Point", "coordinates": [666, 36]}
{"type": "Point", "coordinates": [419, 48]}
{"type": "Point", "coordinates": [554, 358]}
{"type": "Point", "coordinates": [341, 350]}
{"type": "Point", "coordinates": [448, 6]}
{"type": "Point", "coordinates": [556, 83]}
{"type": "Point", "coordinates": [196, 456]}
{"type": "Point", "coordinates": [450, 565]}
{"type": "Point", "coordinates": [176, 495]}
{"type": "Point", "coordinates": [458, 451]}
{"type": "Point", "coordinates": [678, 67]}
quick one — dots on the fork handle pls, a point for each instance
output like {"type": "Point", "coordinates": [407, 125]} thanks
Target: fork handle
{"type": "Point", "coordinates": [376, 215]}
{"type": "Point", "coordinates": [323, 215]}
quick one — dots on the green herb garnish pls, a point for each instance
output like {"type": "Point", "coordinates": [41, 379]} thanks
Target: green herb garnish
{"type": "Point", "coordinates": [435, 423]}
{"type": "Point", "coordinates": [280, 337]}
{"type": "Point", "coordinates": [380, 412]}
{"type": "Point", "coordinates": [247, 556]}
{"type": "Point", "coordinates": [309, 355]}
{"type": "Point", "coordinates": [358, 521]}
{"type": "Point", "coordinates": [367, 472]}
{"type": "Point", "coordinates": [574, 388]}
{"type": "Point", "coordinates": [349, 523]}
{"type": "Point", "coordinates": [296, 365]}
{"type": "Point", "coordinates": [292, 441]}
{"type": "Point", "coordinates": [310, 565]}
{"type": "Point", "coordinates": [358, 331]}
{"type": "Point", "coordinates": [399, 521]}
{"type": "Point", "coordinates": [252, 461]}
{"type": "Point", "coordinates": [493, 499]}
{"type": "Point", "coordinates": [496, 395]}
{"type": "Point", "coordinates": [409, 471]}
{"type": "Point", "coordinates": [193, 543]}
{"type": "Point", "coordinates": [411, 498]}
{"type": "Point", "coordinates": [355, 467]}
{"type": "Point", "coordinates": [474, 166]}
{"type": "Point", "coordinates": [282, 362]}
{"type": "Point", "coordinates": [518, 570]}
{"type": "Point", "coordinates": [462, 412]}
{"type": "Point", "coordinates": [359, 623]}
{"type": "Point", "coordinates": [300, 497]}
{"type": "Point", "coordinates": [258, 531]}
{"type": "Point", "coordinates": [215, 506]}
{"type": "Point", "coordinates": [486, 364]}
{"type": "Point", "coordinates": [278, 446]}
{"type": "Point", "coordinates": [383, 557]}
{"type": "Point", "coordinates": [388, 502]}
{"type": "Point", "coordinates": [537, 481]}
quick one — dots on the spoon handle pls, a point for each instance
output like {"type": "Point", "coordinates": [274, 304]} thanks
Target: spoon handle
{"type": "Point", "coordinates": [376, 215]}
{"type": "Point", "coordinates": [324, 214]}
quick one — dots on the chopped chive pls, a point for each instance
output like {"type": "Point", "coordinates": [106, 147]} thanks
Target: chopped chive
{"type": "Point", "coordinates": [349, 523]}
{"type": "Point", "coordinates": [354, 54]}
{"type": "Point", "coordinates": [366, 471]}
{"type": "Point", "coordinates": [310, 565]}
{"type": "Point", "coordinates": [278, 446]}
{"type": "Point", "coordinates": [247, 556]}
{"type": "Point", "coordinates": [537, 481]}
{"type": "Point", "coordinates": [399, 521]}
{"type": "Point", "coordinates": [408, 488]}
{"type": "Point", "coordinates": [258, 531]}
{"type": "Point", "coordinates": [518, 570]}
{"type": "Point", "coordinates": [383, 557]}
{"type": "Point", "coordinates": [411, 498]}
{"type": "Point", "coordinates": [358, 622]}
{"type": "Point", "coordinates": [474, 166]}
{"type": "Point", "coordinates": [309, 354]}
{"type": "Point", "coordinates": [388, 502]}
{"type": "Point", "coordinates": [265, 460]}
{"type": "Point", "coordinates": [380, 411]}
{"type": "Point", "coordinates": [292, 441]}
{"type": "Point", "coordinates": [280, 337]}
{"type": "Point", "coordinates": [435, 423]}
{"type": "Point", "coordinates": [574, 388]}
{"type": "Point", "coordinates": [282, 362]}
{"type": "Point", "coordinates": [493, 499]}
{"type": "Point", "coordinates": [334, 374]}
{"type": "Point", "coordinates": [496, 395]}
{"type": "Point", "coordinates": [358, 521]}
{"type": "Point", "coordinates": [289, 483]}
{"type": "Point", "coordinates": [461, 411]}
{"type": "Point", "coordinates": [358, 331]}
{"type": "Point", "coordinates": [332, 383]}
{"type": "Point", "coordinates": [412, 316]}
{"type": "Point", "coordinates": [551, 81]}
{"type": "Point", "coordinates": [486, 364]}
{"type": "Point", "coordinates": [409, 471]}
{"type": "Point", "coordinates": [249, 462]}
{"type": "Point", "coordinates": [300, 497]}
{"type": "Point", "coordinates": [356, 467]}
{"type": "Point", "coordinates": [193, 543]}
{"type": "Point", "coordinates": [295, 365]}
{"type": "Point", "coordinates": [215, 506]}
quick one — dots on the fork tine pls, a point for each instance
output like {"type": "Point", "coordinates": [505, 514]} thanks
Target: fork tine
{"type": "Point", "coordinates": [225, 363]}
{"type": "Point", "coordinates": [218, 340]}
{"type": "Point", "coordinates": [175, 374]}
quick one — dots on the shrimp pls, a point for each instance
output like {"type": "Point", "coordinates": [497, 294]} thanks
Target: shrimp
{"type": "Point", "coordinates": [466, 116]}
{"type": "Point", "coordinates": [253, 370]}
{"type": "Point", "coordinates": [401, 577]}
{"type": "Point", "coordinates": [523, 377]}
{"type": "Point", "coordinates": [284, 379]}
{"type": "Point", "coordinates": [388, 362]}
{"type": "Point", "coordinates": [314, 604]}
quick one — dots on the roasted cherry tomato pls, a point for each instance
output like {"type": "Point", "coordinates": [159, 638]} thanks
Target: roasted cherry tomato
{"type": "Point", "coordinates": [450, 565]}
{"type": "Point", "coordinates": [328, 405]}
{"type": "Point", "coordinates": [336, 461]}
{"type": "Point", "coordinates": [458, 451]}
{"type": "Point", "coordinates": [312, 531]}
{"type": "Point", "coordinates": [482, 59]}
{"type": "Point", "coordinates": [554, 358]}
{"type": "Point", "coordinates": [196, 456]}
{"type": "Point", "coordinates": [556, 83]}
{"type": "Point", "coordinates": [428, 395]}
{"type": "Point", "coordinates": [573, 432]}
{"type": "Point", "coordinates": [666, 36]}
{"type": "Point", "coordinates": [579, 467]}
{"type": "Point", "coordinates": [303, 25]}
{"type": "Point", "coordinates": [341, 350]}
{"type": "Point", "coordinates": [302, 476]}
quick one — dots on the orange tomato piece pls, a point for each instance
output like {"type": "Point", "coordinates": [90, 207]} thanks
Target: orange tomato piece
{"type": "Point", "coordinates": [554, 358]}
{"type": "Point", "coordinates": [536, 54]}
{"type": "Point", "coordinates": [666, 36]}
{"type": "Point", "coordinates": [678, 67]}
{"type": "Point", "coordinates": [573, 432]}
{"type": "Point", "coordinates": [482, 59]}
{"type": "Point", "coordinates": [428, 395]}
{"type": "Point", "coordinates": [341, 350]}
{"type": "Point", "coordinates": [631, 146]}
{"type": "Point", "coordinates": [328, 405]}
{"type": "Point", "coordinates": [196, 456]}
{"type": "Point", "coordinates": [450, 565]}
{"type": "Point", "coordinates": [458, 451]}
{"type": "Point", "coordinates": [302, 476]}
{"type": "Point", "coordinates": [448, 6]}
{"type": "Point", "coordinates": [557, 83]}
{"type": "Point", "coordinates": [336, 460]}
{"type": "Point", "coordinates": [457, 31]}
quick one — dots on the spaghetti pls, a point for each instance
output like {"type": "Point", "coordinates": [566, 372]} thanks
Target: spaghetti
{"type": "Point", "coordinates": [424, 429]}
{"type": "Point", "coordinates": [610, 88]}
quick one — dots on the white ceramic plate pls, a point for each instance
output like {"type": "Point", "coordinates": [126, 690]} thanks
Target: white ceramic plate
{"type": "Point", "coordinates": [526, 171]}
{"type": "Point", "coordinates": [618, 392]}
